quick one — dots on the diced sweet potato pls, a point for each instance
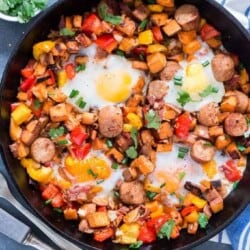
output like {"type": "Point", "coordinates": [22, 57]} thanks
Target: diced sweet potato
{"type": "Point", "coordinates": [215, 131]}
{"type": "Point", "coordinates": [59, 113]}
{"type": "Point", "coordinates": [144, 165]}
{"type": "Point", "coordinates": [156, 62]}
{"type": "Point", "coordinates": [114, 153]}
{"type": "Point", "coordinates": [229, 104]}
{"type": "Point", "coordinates": [98, 219]}
{"type": "Point", "coordinates": [128, 26]}
{"type": "Point", "coordinates": [139, 65]}
{"type": "Point", "coordinates": [165, 131]}
{"type": "Point", "coordinates": [159, 19]}
{"type": "Point", "coordinates": [77, 21]}
{"type": "Point", "coordinates": [171, 28]}
{"type": "Point", "coordinates": [166, 3]}
{"type": "Point", "coordinates": [70, 214]}
{"type": "Point", "coordinates": [127, 44]}
{"type": "Point", "coordinates": [164, 147]}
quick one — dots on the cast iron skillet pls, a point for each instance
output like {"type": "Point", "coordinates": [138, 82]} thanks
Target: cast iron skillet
{"type": "Point", "coordinates": [235, 39]}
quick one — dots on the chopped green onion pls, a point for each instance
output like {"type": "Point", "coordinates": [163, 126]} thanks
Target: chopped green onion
{"type": "Point", "coordinates": [151, 195]}
{"type": "Point", "coordinates": [241, 148]}
{"type": "Point", "coordinates": [235, 184]}
{"type": "Point", "coordinates": [56, 132]}
{"type": "Point", "coordinates": [116, 194]}
{"type": "Point", "coordinates": [181, 175]}
{"type": "Point", "coordinates": [206, 63]}
{"type": "Point", "coordinates": [182, 152]}
{"type": "Point", "coordinates": [81, 103]}
{"type": "Point", "coordinates": [109, 143]}
{"type": "Point", "coordinates": [166, 229]}
{"type": "Point", "coordinates": [178, 80]}
{"type": "Point", "coordinates": [209, 90]}
{"type": "Point", "coordinates": [152, 119]}
{"type": "Point", "coordinates": [143, 25]}
{"type": "Point", "coordinates": [62, 142]}
{"type": "Point", "coordinates": [202, 220]}
{"type": "Point", "coordinates": [106, 16]}
{"type": "Point", "coordinates": [73, 93]}
{"type": "Point", "coordinates": [114, 165]}
{"type": "Point", "coordinates": [67, 32]}
{"type": "Point", "coordinates": [47, 202]}
{"type": "Point", "coordinates": [58, 210]}
{"type": "Point", "coordinates": [120, 53]}
{"type": "Point", "coordinates": [37, 104]}
{"type": "Point", "coordinates": [136, 245]}
{"type": "Point", "coordinates": [91, 172]}
{"type": "Point", "coordinates": [124, 161]}
{"type": "Point", "coordinates": [142, 57]}
{"type": "Point", "coordinates": [80, 67]}
{"type": "Point", "coordinates": [163, 185]}
{"type": "Point", "coordinates": [99, 181]}
{"type": "Point", "coordinates": [131, 152]}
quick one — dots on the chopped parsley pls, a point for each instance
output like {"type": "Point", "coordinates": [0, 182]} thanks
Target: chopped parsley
{"type": "Point", "coordinates": [136, 245]}
{"type": "Point", "coordinates": [81, 103]}
{"type": "Point", "coordinates": [73, 93]}
{"type": "Point", "coordinates": [143, 25]}
{"type": "Point", "coordinates": [241, 148]}
{"type": "Point", "coordinates": [152, 119]}
{"type": "Point", "coordinates": [80, 67]}
{"type": "Point", "coordinates": [56, 132]}
{"type": "Point", "coordinates": [166, 230]}
{"type": "Point", "coordinates": [182, 175]}
{"type": "Point", "coordinates": [151, 195]}
{"type": "Point", "coordinates": [182, 152]}
{"type": "Point", "coordinates": [131, 152]}
{"type": "Point", "coordinates": [183, 98]}
{"type": "Point", "coordinates": [114, 165]}
{"type": "Point", "coordinates": [106, 16]}
{"type": "Point", "coordinates": [210, 89]}
{"type": "Point", "coordinates": [67, 32]}
{"type": "Point", "coordinates": [202, 220]}
{"type": "Point", "coordinates": [92, 173]}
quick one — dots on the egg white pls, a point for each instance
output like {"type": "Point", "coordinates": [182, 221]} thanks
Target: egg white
{"type": "Point", "coordinates": [114, 68]}
{"type": "Point", "coordinates": [201, 56]}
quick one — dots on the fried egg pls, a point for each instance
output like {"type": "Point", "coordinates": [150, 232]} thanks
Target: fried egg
{"type": "Point", "coordinates": [107, 81]}
{"type": "Point", "coordinates": [171, 172]}
{"type": "Point", "coordinates": [194, 83]}
{"type": "Point", "coordinates": [94, 170]}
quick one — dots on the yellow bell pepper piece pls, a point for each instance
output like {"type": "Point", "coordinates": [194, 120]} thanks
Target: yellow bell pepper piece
{"type": "Point", "coordinates": [30, 163]}
{"type": "Point", "coordinates": [127, 233]}
{"type": "Point", "coordinates": [146, 37]}
{"type": "Point", "coordinates": [61, 78]}
{"type": "Point", "coordinates": [198, 202]}
{"type": "Point", "coordinates": [42, 47]}
{"type": "Point", "coordinates": [158, 212]}
{"type": "Point", "coordinates": [210, 168]}
{"type": "Point", "coordinates": [192, 217]}
{"type": "Point", "coordinates": [42, 175]}
{"type": "Point", "coordinates": [62, 183]}
{"type": "Point", "coordinates": [156, 48]}
{"type": "Point", "coordinates": [150, 187]}
{"type": "Point", "coordinates": [152, 206]}
{"type": "Point", "coordinates": [134, 120]}
{"type": "Point", "coordinates": [15, 130]}
{"type": "Point", "coordinates": [155, 7]}
{"type": "Point", "coordinates": [21, 114]}
{"type": "Point", "coordinates": [127, 127]}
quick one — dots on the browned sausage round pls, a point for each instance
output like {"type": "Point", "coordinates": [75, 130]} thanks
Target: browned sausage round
{"type": "Point", "coordinates": [208, 114]}
{"type": "Point", "coordinates": [223, 67]}
{"type": "Point", "coordinates": [110, 121]}
{"type": "Point", "coordinates": [169, 71]}
{"type": "Point", "coordinates": [202, 151]}
{"type": "Point", "coordinates": [235, 124]}
{"type": "Point", "coordinates": [157, 90]}
{"type": "Point", "coordinates": [242, 101]}
{"type": "Point", "coordinates": [132, 193]}
{"type": "Point", "coordinates": [43, 150]}
{"type": "Point", "coordinates": [188, 17]}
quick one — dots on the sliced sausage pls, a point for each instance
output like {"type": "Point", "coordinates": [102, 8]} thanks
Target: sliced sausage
{"type": "Point", "coordinates": [242, 100]}
{"type": "Point", "coordinates": [43, 150]}
{"type": "Point", "coordinates": [202, 151]}
{"type": "Point", "coordinates": [209, 114]}
{"type": "Point", "coordinates": [156, 90]}
{"type": "Point", "coordinates": [235, 124]}
{"type": "Point", "coordinates": [132, 193]}
{"type": "Point", "coordinates": [223, 67]}
{"type": "Point", "coordinates": [169, 71]}
{"type": "Point", "coordinates": [188, 17]}
{"type": "Point", "coordinates": [110, 121]}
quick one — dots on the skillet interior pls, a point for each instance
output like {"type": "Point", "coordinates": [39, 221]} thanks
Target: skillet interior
{"type": "Point", "coordinates": [235, 39]}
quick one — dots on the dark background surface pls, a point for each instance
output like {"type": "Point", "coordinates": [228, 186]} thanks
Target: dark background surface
{"type": "Point", "coordinates": [10, 33]}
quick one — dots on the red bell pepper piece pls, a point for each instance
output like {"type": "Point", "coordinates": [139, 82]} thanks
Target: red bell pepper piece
{"type": "Point", "coordinates": [157, 33]}
{"type": "Point", "coordinates": [147, 234]}
{"type": "Point", "coordinates": [182, 125]}
{"type": "Point", "coordinates": [187, 210]}
{"type": "Point", "coordinates": [208, 31]}
{"type": "Point", "coordinates": [52, 79]}
{"type": "Point", "coordinates": [106, 42]}
{"type": "Point", "coordinates": [104, 234]}
{"type": "Point", "coordinates": [50, 191]}
{"type": "Point", "coordinates": [231, 172]}
{"type": "Point", "coordinates": [92, 24]}
{"type": "Point", "coordinates": [81, 152]}
{"type": "Point", "coordinates": [78, 135]}
{"type": "Point", "coordinates": [102, 209]}
{"type": "Point", "coordinates": [158, 222]}
{"type": "Point", "coordinates": [27, 83]}
{"type": "Point", "coordinates": [70, 70]}
{"type": "Point", "coordinates": [28, 70]}
{"type": "Point", "coordinates": [57, 201]}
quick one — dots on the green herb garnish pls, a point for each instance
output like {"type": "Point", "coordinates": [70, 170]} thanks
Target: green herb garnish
{"type": "Point", "coordinates": [205, 64]}
{"type": "Point", "coordinates": [62, 142]}
{"type": "Point", "coordinates": [80, 67]}
{"type": "Point", "coordinates": [117, 194]}
{"type": "Point", "coordinates": [37, 103]}
{"type": "Point", "coordinates": [109, 143]}
{"type": "Point", "coordinates": [134, 134]}
{"type": "Point", "coordinates": [178, 80]}
{"type": "Point", "coordinates": [131, 152]}
{"type": "Point", "coordinates": [183, 98]}
{"type": "Point", "coordinates": [166, 230]}
{"type": "Point", "coordinates": [114, 165]}
{"type": "Point", "coordinates": [235, 184]}
{"type": "Point", "coordinates": [241, 148]}
{"type": "Point", "coordinates": [151, 195]}
{"type": "Point", "coordinates": [47, 202]}
{"type": "Point", "coordinates": [141, 57]}
{"type": "Point", "coordinates": [152, 119]}
{"type": "Point", "coordinates": [120, 53]}
{"type": "Point", "coordinates": [124, 161]}
{"type": "Point", "coordinates": [99, 181]}
{"type": "Point", "coordinates": [56, 132]}
{"type": "Point", "coordinates": [182, 152]}
{"type": "Point", "coordinates": [136, 245]}
{"type": "Point", "coordinates": [81, 103]}
{"type": "Point", "coordinates": [58, 210]}
{"type": "Point", "coordinates": [163, 185]}
{"type": "Point", "coordinates": [202, 220]}
{"type": "Point", "coordinates": [210, 89]}
{"type": "Point", "coordinates": [67, 32]}
{"type": "Point", "coordinates": [182, 175]}
{"type": "Point", "coordinates": [143, 25]}
{"type": "Point", "coordinates": [103, 13]}
{"type": "Point", "coordinates": [91, 172]}
{"type": "Point", "coordinates": [73, 93]}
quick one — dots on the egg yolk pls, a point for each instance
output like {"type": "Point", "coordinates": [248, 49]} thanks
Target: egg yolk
{"type": "Point", "coordinates": [114, 86]}
{"type": "Point", "coordinates": [195, 79]}
{"type": "Point", "coordinates": [171, 182]}
{"type": "Point", "coordinates": [89, 169]}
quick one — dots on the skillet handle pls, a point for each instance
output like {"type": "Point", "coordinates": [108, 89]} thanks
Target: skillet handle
{"type": "Point", "coordinates": [61, 242]}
